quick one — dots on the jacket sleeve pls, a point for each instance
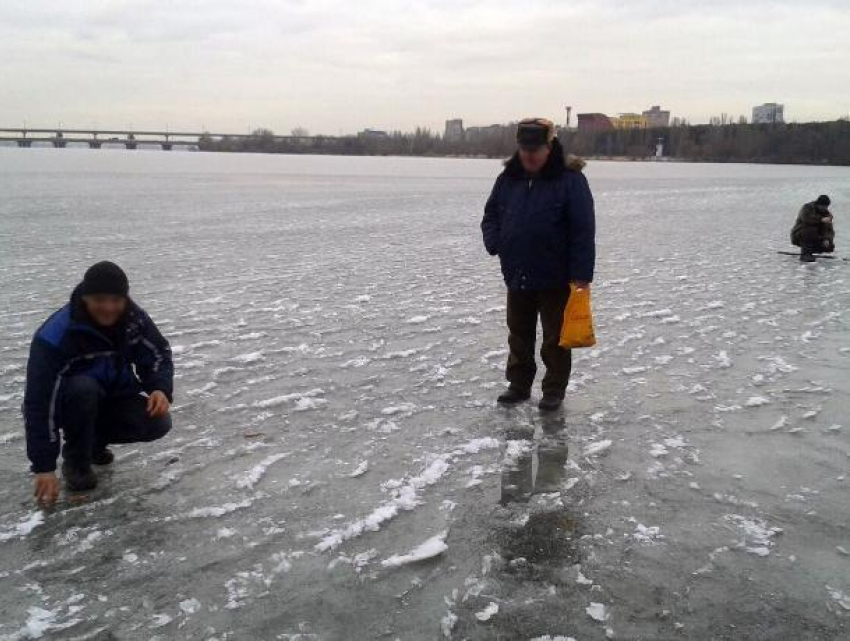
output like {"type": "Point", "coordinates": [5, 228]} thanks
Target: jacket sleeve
{"type": "Point", "coordinates": [152, 358]}
{"type": "Point", "coordinates": [581, 222]}
{"type": "Point", "coordinates": [490, 223]}
{"type": "Point", "coordinates": [44, 370]}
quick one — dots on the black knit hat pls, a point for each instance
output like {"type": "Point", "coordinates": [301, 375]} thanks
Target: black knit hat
{"type": "Point", "coordinates": [823, 200]}
{"type": "Point", "coordinates": [105, 278]}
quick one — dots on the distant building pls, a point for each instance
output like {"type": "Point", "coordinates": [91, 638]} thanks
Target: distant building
{"type": "Point", "coordinates": [769, 113]}
{"type": "Point", "coordinates": [454, 130]}
{"type": "Point", "coordinates": [656, 117]}
{"type": "Point", "coordinates": [594, 122]}
{"type": "Point", "coordinates": [629, 121]}
{"type": "Point", "coordinates": [479, 133]}
{"type": "Point", "coordinates": [373, 134]}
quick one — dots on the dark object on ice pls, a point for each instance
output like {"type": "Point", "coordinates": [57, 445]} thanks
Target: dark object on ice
{"type": "Point", "coordinates": [84, 380]}
{"type": "Point", "coordinates": [105, 278]}
{"type": "Point", "coordinates": [512, 396]}
{"type": "Point", "coordinates": [806, 256]}
{"type": "Point", "coordinates": [78, 478]}
{"type": "Point", "coordinates": [103, 457]}
{"type": "Point", "coordinates": [814, 255]}
{"type": "Point", "coordinates": [813, 231]}
{"type": "Point", "coordinates": [524, 308]}
{"type": "Point", "coordinates": [550, 402]}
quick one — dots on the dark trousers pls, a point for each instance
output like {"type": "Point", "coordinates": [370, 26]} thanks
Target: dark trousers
{"type": "Point", "coordinates": [812, 240]}
{"type": "Point", "coordinates": [524, 307]}
{"type": "Point", "coordinates": [91, 420]}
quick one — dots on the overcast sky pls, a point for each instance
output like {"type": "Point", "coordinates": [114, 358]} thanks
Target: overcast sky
{"type": "Point", "coordinates": [337, 66]}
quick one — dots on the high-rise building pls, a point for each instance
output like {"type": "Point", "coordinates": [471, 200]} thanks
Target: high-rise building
{"type": "Point", "coordinates": [454, 130]}
{"type": "Point", "coordinates": [657, 117]}
{"type": "Point", "coordinates": [769, 113]}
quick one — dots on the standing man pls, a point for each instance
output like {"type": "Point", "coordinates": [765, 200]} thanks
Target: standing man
{"type": "Point", "coordinates": [813, 232]}
{"type": "Point", "coordinates": [89, 365]}
{"type": "Point", "coordinates": [540, 221]}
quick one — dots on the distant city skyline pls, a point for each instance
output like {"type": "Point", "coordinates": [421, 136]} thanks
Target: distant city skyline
{"type": "Point", "coordinates": [334, 67]}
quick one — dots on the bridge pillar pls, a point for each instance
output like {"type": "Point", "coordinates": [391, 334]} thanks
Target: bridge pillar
{"type": "Point", "coordinates": [94, 144]}
{"type": "Point", "coordinates": [166, 146]}
{"type": "Point", "coordinates": [59, 143]}
{"type": "Point", "coordinates": [25, 143]}
{"type": "Point", "coordinates": [129, 145]}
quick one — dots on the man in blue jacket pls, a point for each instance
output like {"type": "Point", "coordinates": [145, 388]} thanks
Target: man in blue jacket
{"type": "Point", "coordinates": [99, 372]}
{"type": "Point", "coordinates": [540, 221]}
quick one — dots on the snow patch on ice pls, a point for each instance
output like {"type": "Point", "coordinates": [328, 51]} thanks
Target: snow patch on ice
{"type": "Point", "coordinates": [429, 549]}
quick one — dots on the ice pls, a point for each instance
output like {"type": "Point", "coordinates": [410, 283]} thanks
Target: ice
{"type": "Point", "coordinates": [23, 527]}
{"type": "Point", "coordinates": [597, 612]}
{"type": "Point", "coordinates": [487, 613]}
{"type": "Point", "coordinates": [318, 433]}
{"type": "Point", "coordinates": [434, 546]}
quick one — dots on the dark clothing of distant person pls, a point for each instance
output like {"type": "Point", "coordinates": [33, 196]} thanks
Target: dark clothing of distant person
{"type": "Point", "coordinates": [543, 229]}
{"type": "Point", "coordinates": [85, 382]}
{"type": "Point", "coordinates": [810, 233]}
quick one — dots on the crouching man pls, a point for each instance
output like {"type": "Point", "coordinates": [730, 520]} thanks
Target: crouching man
{"type": "Point", "coordinates": [813, 230]}
{"type": "Point", "coordinates": [540, 222]}
{"type": "Point", "coordinates": [99, 372]}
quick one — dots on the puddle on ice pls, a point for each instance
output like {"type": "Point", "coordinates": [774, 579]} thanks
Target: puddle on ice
{"type": "Point", "coordinates": [339, 469]}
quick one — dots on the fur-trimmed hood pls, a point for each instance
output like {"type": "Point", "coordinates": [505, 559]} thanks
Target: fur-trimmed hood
{"type": "Point", "coordinates": [558, 163]}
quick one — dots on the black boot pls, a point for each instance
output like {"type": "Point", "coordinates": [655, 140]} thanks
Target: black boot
{"type": "Point", "coordinates": [513, 396]}
{"type": "Point", "coordinates": [550, 402]}
{"type": "Point", "coordinates": [79, 479]}
{"type": "Point", "coordinates": [103, 457]}
{"type": "Point", "coordinates": [806, 256]}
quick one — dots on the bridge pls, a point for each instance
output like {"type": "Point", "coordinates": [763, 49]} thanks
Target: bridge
{"type": "Point", "coordinates": [130, 139]}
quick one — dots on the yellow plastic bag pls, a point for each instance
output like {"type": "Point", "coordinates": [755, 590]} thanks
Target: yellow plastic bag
{"type": "Point", "coordinates": [577, 330]}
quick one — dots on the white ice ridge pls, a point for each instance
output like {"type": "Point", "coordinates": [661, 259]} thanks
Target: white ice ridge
{"type": "Point", "coordinates": [248, 479]}
{"type": "Point", "coordinates": [596, 448]}
{"type": "Point", "coordinates": [405, 494]}
{"type": "Point", "coordinates": [297, 398]}
{"type": "Point", "coordinates": [434, 546]}
{"type": "Point", "coordinates": [23, 527]}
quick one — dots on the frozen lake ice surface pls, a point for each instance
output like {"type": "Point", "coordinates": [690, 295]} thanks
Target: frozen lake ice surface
{"type": "Point", "coordinates": [338, 467]}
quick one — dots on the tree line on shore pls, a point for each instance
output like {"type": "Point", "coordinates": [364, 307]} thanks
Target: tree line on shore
{"type": "Point", "coordinates": [720, 141]}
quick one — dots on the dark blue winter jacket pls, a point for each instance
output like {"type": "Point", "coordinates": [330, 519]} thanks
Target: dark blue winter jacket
{"type": "Point", "coordinates": [134, 357]}
{"type": "Point", "coordinates": [542, 228]}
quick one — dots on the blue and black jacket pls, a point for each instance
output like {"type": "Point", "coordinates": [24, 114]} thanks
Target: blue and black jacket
{"type": "Point", "coordinates": [543, 228]}
{"type": "Point", "coordinates": [131, 358]}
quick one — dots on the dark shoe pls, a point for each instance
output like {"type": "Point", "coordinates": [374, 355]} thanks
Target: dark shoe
{"type": "Point", "coordinates": [513, 396]}
{"type": "Point", "coordinates": [550, 403]}
{"type": "Point", "coordinates": [806, 256]}
{"type": "Point", "coordinates": [103, 457]}
{"type": "Point", "coordinates": [79, 479]}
